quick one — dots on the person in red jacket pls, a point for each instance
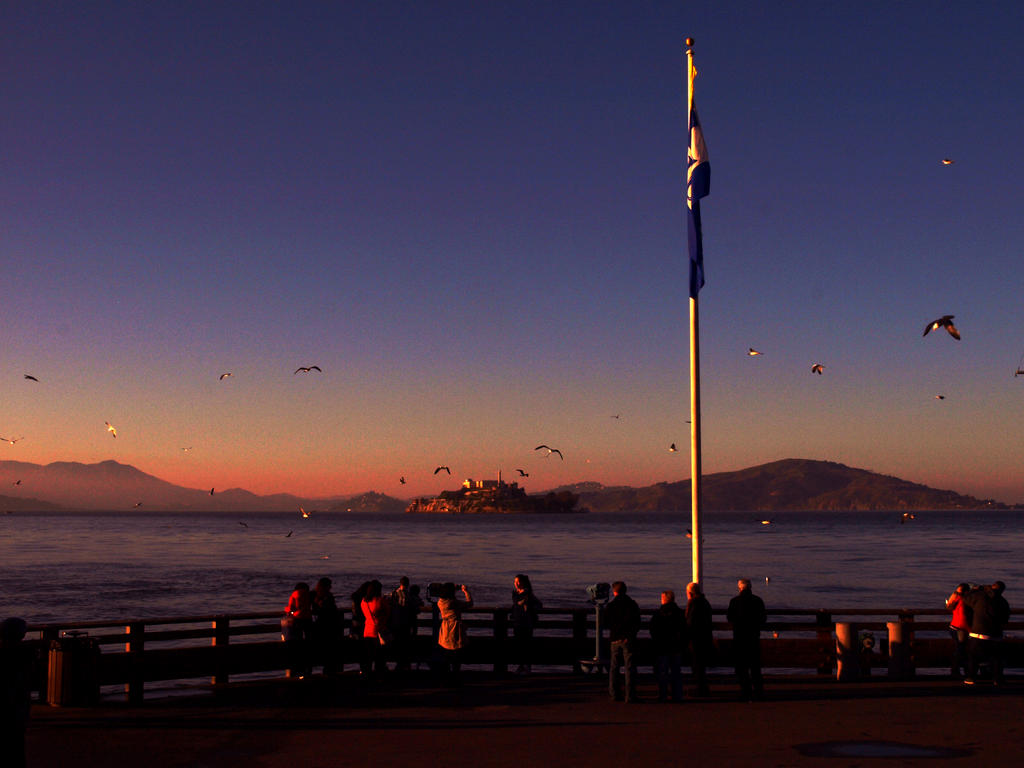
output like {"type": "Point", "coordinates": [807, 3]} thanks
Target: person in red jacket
{"type": "Point", "coordinates": [959, 627]}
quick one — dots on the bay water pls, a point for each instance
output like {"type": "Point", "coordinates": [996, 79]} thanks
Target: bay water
{"type": "Point", "coordinates": [78, 566]}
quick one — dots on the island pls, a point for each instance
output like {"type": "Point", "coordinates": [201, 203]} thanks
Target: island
{"type": "Point", "coordinates": [495, 497]}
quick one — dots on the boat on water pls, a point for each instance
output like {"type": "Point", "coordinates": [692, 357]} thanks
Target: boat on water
{"type": "Point", "coordinates": [495, 497]}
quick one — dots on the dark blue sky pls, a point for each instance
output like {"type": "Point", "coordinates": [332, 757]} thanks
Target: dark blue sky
{"type": "Point", "coordinates": [470, 216]}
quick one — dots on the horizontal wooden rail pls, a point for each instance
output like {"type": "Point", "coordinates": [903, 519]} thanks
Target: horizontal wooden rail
{"type": "Point", "coordinates": [220, 646]}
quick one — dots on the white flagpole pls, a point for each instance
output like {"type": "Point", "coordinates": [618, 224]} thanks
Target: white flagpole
{"type": "Point", "coordinates": [695, 470]}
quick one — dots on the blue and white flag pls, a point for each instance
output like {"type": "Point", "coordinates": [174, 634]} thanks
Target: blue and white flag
{"type": "Point", "coordinates": [698, 184]}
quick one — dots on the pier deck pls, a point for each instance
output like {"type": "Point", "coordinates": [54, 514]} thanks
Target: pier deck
{"type": "Point", "coordinates": [564, 720]}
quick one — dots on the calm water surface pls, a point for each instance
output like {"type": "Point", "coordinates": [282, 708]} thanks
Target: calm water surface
{"type": "Point", "coordinates": [81, 566]}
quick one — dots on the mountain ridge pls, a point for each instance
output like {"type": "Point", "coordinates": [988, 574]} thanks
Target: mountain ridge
{"type": "Point", "coordinates": [783, 485]}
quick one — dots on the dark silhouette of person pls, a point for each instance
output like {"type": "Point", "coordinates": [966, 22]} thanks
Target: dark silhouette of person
{"type": "Point", "coordinates": [326, 627]}
{"type": "Point", "coordinates": [405, 609]}
{"type": "Point", "coordinates": [747, 615]}
{"type": "Point", "coordinates": [525, 608]}
{"type": "Point", "coordinates": [668, 642]}
{"type": "Point", "coordinates": [622, 616]}
{"type": "Point", "coordinates": [15, 692]}
{"type": "Point", "coordinates": [989, 612]}
{"type": "Point", "coordinates": [702, 642]}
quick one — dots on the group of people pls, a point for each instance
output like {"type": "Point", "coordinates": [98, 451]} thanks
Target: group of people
{"type": "Point", "coordinates": [384, 626]}
{"type": "Point", "coordinates": [980, 614]}
{"type": "Point", "coordinates": [676, 632]}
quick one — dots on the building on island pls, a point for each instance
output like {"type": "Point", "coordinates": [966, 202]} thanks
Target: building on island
{"type": "Point", "coordinates": [494, 497]}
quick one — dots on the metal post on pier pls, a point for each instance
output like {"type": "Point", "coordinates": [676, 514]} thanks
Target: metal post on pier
{"type": "Point", "coordinates": [221, 638]}
{"type": "Point", "coordinates": [136, 647]}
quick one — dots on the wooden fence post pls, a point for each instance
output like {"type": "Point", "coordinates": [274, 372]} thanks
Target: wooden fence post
{"type": "Point", "coordinates": [500, 618]}
{"type": "Point", "coordinates": [901, 640]}
{"type": "Point", "coordinates": [136, 647]}
{"type": "Point", "coordinates": [579, 638]}
{"type": "Point", "coordinates": [221, 639]}
{"type": "Point", "coordinates": [825, 645]}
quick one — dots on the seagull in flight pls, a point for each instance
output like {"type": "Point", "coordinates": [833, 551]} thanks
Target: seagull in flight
{"type": "Point", "coordinates": [211, 493]}
{"type": "Point", "coordinates": [12, 441]}
{"type": "Point", "coordinates": [817, 368]}
{"type": "Point", "coordinates": [672, 448]}
{"type": "Point", "coordinates": [906, 516]}
{"type": "Point", "coordinates": [947, 161]}
{"type": "Point", "coordinates": [444, 468]}
{"type": "Point", "coordinates": [940, 397]}
{"type": "Point", "coordinates": [751, 352]}
{"type": "Point", "coordinates": [186, 450]}
{"type": "Point", "coordinates": [307, 369]}
{"type": "Point", "coordinates": [522, 473]}
{"type": "Point", "coordinates": [766, 522]}
{"type": "Point", "coordinates": [946, 321]}
{"type": "Point", "coordinates": [288, 535]}
{"type": "Point", "coordinates": [16, 482]}
{"type": "Point", "coordinates": [111, 428]}
{"type": "Point", "coordinates": [402, 480]}
{"type": "Point", "coordinates": [137, 505]}
{"type": "Point", "coordinates": [31, 378]}
{"type": "Point", "coordinates": [244, 525]}
{"type": "Point", "coordinates": [550, 451]}
{"type": "Point", "coordinates": [305, 514]}
{"type": "Point", "coordinates": [225, 375]}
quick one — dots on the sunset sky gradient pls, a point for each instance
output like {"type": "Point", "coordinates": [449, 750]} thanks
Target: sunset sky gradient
{"type": "Point", "coordinates": [470, 216]}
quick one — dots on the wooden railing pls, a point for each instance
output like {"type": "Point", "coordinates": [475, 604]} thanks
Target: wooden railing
{"type": "Point", "coordinates": [222, 646]}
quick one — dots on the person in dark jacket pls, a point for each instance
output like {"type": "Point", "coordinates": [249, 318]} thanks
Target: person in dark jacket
{"type": "Point", "coordinates": [702, 643]}
{"type": "Point", "coordinates": [988, 613]}
{"type": "Point", "coordinates": [747, 615]}
{"type": "Point", "coordinates": [622, 617]}
{"type": "Point", "coordinates": [525, 607]}
{"type": "Point", "coordinates": [668, 641]}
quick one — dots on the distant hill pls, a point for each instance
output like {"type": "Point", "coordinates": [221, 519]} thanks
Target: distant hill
{"type": "Point", "coordinates": [789, 484]}
{"type": "Point", "coordinates": [110, 485]}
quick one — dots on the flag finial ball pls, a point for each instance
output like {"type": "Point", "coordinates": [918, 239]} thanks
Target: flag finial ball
{"type": "Point", "coordinates": [689, 41]}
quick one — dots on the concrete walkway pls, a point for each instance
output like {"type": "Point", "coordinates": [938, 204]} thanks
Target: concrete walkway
{"type": "Point", "coordinates": [541, 720]}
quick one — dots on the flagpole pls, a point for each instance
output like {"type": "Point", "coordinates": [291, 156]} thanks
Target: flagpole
{"type": "Point", "coordinates": [697, 557]}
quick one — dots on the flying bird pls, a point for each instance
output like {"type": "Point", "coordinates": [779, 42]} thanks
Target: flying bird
{"type": "Point", "coordinates": [940, 397]}
{"type": "Point", "coordinates": [906, 516]}
{"type": "Point", "coordinates": [672, 448]}
{"type": "Point", "coordinates": [550, 451]}
{"type": "Point", "coordinates": [817, 368]}
{"type": "Point", "coordinates": [946, 321]}
{"type": "Point", "coordinates": [766, 522]}
{"type": "Point", "coordinates": [30, 377]}
{"type": "Point", "coordinates": [225, 375]}
{"type": "Point", "coordinates": [211, 493]}
{"type": "Point", "coordinates": [402, 479]}
{"type": "Point", "coordinates": [111, 428]}
{"type": "Point", "coordinates": [947, 161]}
{"type": "Point", "coordinates": [12, 441]}
{"type": "Point", "coordinates": [522, 474]}
{"type": "Point", "coordinates": [307, 369]}
{"type": "Point", "coordinates": [751, 351]}
{"type": "Point", "coordinates": [16, 482]}
{"type": "Point", "coordinates": [288, 535]}
{"type": "Point", "coordinates": [186, 450]}
{"type": "Point", "coordinates": [616, 415]}
{"type": "Point", "coordinates": [137, 505]}
{"type": "Point", "coordinates": [244, 525]}
{"type": "Point", "coordinates": [444, 468]}
{"type": "Point", "coordinates": [305, 514]}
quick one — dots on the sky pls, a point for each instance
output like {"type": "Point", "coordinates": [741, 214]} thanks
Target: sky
{"type": "Point", "coordinates": [470, 217]}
